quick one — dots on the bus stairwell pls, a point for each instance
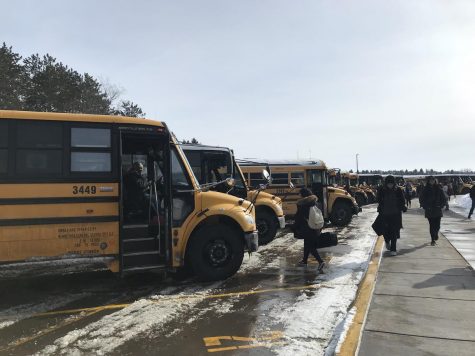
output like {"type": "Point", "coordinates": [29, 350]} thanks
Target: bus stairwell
{"type": "Point", "coordinates": [143, 232]}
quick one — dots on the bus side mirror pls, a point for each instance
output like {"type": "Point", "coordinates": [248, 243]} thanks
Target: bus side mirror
{"type": "Point", "coordinates": [266, 175]}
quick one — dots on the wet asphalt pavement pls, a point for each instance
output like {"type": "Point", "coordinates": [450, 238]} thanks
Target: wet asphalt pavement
{"type": "Point", "coordinates": [269, 307]}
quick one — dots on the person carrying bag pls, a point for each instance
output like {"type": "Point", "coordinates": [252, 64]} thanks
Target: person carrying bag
{"type": "Point", "coordinates": [308, 225]}
{"type": "Point", "coordinates": [391, 205]}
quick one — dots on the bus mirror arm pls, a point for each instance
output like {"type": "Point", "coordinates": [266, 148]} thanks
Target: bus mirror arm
{"type": "Point", "coordinates": [292, 187]}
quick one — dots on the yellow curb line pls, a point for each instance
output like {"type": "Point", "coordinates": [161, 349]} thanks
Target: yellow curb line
{"type": "Point", "coordinates": [364, 295]}
{"type": "Point", "coordinates": [181, 297]}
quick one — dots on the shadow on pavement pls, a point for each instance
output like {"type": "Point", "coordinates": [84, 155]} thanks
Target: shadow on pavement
{"type": "Point", "coordinates": [405, 251]}
{"type": "Point", "coordinates": [451, 284]}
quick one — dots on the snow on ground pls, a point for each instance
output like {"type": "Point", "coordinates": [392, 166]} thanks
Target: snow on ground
{"type": "Point", "coordinates": [12, 315]}
{"type": "Point", "coordinates": [310, 321]}
{"type": "Point", "coordinates": [259, 259]}
{"type": "Point", "coordinates": [461, 204]}
{"type": "Point", "coordinates": [113, 330]}
{"type": "Point", "coordinates": [39, 267]}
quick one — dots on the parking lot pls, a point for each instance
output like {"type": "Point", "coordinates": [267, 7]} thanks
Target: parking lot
{"type": "Point", "coordinates": [270, 306]}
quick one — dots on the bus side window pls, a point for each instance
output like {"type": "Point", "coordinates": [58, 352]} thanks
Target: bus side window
{"type": "Point", "coordinates": [280, 178]}
{"type": "Point", "coordinates": [256, 179]}
{"type": "Point", "coordinates": [3, 147]}
{"type": "Point", "coordinates": [91, 150]}
{"type": "Point", "coordinates": [39, 149]}
{"type": "Point", "coordinates": [297, 178]}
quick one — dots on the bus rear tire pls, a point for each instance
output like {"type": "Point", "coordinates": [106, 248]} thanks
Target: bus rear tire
{"type": "Point", "coordinates": [266, 226]}
{"type": "Point", "coordinates": [341, 214]}
{"type": "Point", "coordinates": [216, 253]}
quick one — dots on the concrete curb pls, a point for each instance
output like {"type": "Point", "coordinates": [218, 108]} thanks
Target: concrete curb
{"type": "Point", "coordinates": [351, 343]}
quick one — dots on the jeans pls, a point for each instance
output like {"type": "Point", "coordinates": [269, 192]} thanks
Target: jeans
{"type": "Point", "coordinates": [472, 208]}
{"type": "Point", "coordinates": [434, 227]}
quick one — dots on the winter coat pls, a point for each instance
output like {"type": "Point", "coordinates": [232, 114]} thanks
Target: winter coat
{"type": "Point", "coordinates": [433, 200]}
{"type": "Point", "coordinates": [472, 192]}
{"type": "Point", "coordinates": [300, 226]}
{"type": "Point", "coordinates": [401, 203]}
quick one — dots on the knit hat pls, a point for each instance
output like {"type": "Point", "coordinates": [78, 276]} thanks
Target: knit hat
{"type": "Point", "coordinates": [389, 179]}
{"type": "Point", "coordinates": [304, 192]}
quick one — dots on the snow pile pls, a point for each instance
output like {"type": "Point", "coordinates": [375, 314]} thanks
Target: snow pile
{"type": "Point", "coordinates": [310, 322]}
{"type": "Point", "coordinates": [265, 258]}
{"type": "Point", "coordinates": [461, 204]}
{"type": "Point", "coordinates": [340, 333]}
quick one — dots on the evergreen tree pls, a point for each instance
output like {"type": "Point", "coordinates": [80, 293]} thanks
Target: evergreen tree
{"type": "Point", "coordinates": [128, 108]}
{"type": "Point", "coordinates": [44, 84]}
{"type": "Point", "coordinates": [12, 79]}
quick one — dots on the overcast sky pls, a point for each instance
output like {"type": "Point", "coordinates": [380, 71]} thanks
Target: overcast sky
{"type": "Point", "coordinates": [391, 80]}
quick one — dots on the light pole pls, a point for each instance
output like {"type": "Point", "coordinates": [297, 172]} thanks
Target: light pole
{"type": "Point", "coordinates": [357, 168]}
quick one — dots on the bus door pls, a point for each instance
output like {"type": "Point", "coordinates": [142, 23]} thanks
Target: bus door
{"type": "Point", "coordinates": [317, 183]}
{"type": "Point", "coordinates": [145, 213]}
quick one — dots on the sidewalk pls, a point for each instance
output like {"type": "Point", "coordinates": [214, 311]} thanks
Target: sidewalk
{"type": "Point", "coordinates": [424, 298]}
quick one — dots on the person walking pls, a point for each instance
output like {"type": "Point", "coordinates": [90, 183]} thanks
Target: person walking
{"type": "Point", "coordinates": [391, 204]}
{"type": "Point", "coordinates": [472, 195]}
{"type": "Point", "coordinates": [432, 201]}
{"type": "Point", "coordinates": [301, 227]}
{"type": "Point", "coordinates": [408, 193]}
{"type": "Point", "coordinates": [445, 189]}
{"type": "Point", "coordinates": [456, 187]}
{"type": "Point", "coordinates": [450, 189]}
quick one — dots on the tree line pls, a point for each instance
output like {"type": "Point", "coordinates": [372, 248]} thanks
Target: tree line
{"type": "Point", "coordinates": [41, 83]}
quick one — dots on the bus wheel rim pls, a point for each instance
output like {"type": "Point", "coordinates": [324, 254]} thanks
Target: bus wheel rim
{"type": "Point", "coordinates": [217, 253]}
{"type": "Point", "coordinates": [262, 227]}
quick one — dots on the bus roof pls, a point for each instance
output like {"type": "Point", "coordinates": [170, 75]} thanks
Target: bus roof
{"type": "Point", "coordinates": [200, 147]}
{"type": "Point", "coordinates": [113, 119]}
{"type": "Point", "coordinates": [266, 162]}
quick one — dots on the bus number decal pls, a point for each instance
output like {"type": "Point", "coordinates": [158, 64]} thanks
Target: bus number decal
{"type": "Point", "coordinates": [88, 189]}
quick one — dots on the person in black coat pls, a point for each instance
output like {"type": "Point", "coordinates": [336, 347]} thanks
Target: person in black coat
{"type": "Point", "coordinates": [391, 204]}
{"type": "Point", "coordinates": [302, 229]}
{"type": "Point", "coordinates": [136, 187]}
{"type": "Point", "coordinates": [472, 195]}
{"type": "Point", "coordinates": [432, 201]}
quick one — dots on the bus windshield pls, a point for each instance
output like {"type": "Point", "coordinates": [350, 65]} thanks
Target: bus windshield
{"type": "Point", "coordinates": [316, 176]}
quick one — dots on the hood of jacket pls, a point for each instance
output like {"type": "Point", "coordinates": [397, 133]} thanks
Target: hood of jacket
{"type": "Point", "coordinates": [310, 200]}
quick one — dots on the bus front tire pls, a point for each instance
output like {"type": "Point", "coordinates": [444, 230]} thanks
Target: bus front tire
{"type": "Point", "coordinates": [341, 214]}
{"type": "Point", "coordinates": [266, 226]}
{"type": "Point", "coordinates": [216, 252]}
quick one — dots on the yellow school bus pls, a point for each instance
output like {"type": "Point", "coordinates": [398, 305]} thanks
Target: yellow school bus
{"type": "Point", "coordinates": [350, 181]}
{"type": "Point", "coordinates": [76, 185]}
{"type": "Point", "coordinates": [462, 183]}
{"type": "Point", "coordinates": [287, 177]}
{"type": "Point", "coordinates": [212, 164]}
